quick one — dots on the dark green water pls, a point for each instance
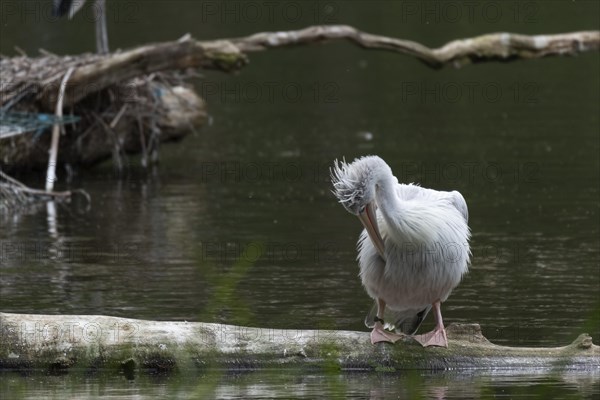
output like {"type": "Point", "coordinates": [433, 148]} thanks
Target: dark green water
{"type": "Point", "coordinates": [278, 385]}
{"type": "Point", "coordinates": [520, 141]}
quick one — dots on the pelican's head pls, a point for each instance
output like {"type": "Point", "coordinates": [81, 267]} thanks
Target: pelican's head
{"type": "Point", "coordinates": [355, 184]}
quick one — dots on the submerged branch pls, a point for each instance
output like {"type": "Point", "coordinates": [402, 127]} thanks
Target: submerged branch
{"type": "Point", "coordinates": [62, 342]}
{"type": "Point", "coordinates": [16, 195]}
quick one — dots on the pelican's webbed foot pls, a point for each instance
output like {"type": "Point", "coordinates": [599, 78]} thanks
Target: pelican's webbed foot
{"type": "Point", "coordinates": [437, 337]}
{"type": "Point", "coordinates": [378, 334]}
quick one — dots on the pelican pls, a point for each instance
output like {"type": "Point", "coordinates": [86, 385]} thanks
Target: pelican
{"type": "Point", "coordinates": [62, 7]}
{"type": "Point", "coordinates": [413, 251]}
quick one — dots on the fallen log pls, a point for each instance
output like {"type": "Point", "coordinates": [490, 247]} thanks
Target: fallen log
{"type": "Point", "coordinates": [59, 343]}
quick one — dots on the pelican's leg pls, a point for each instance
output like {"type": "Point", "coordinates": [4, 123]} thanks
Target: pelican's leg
{"type": "Point", "coordinates": [101, 31]}
{"type": "Point", "coordinates": [378, 334]}
{"type": "Point", "coordinates": [437, 337]}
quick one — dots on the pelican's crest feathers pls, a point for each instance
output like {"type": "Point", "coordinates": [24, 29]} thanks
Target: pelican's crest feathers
{"type": "Point", "coordinates": [351, 181]}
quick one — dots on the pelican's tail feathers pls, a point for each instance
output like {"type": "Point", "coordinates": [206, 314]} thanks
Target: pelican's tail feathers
{"type": "Point", "coordinates": [408, 321]}
{"type": "Point", "coordinates": [405, 321]}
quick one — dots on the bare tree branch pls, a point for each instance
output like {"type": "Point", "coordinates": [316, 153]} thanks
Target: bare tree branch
{"type": "Point", "coordinates": [116, 68]}
{"type": "Point", "coordinates": [32, 84]}
{"type": "Point", "coordinates": [230, 55]}
{"type": "Point", "coordinates": [490, 47]}
{"type": "Point", "coordinates": [51, 171]}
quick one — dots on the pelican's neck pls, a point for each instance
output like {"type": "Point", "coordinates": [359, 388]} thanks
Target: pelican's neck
{"type": "Point", "coordinates": [386, 197]}
{"type": "Point", "coordinates": [400, 222]}
{"type": "Point", "coordinates": [405, 222]}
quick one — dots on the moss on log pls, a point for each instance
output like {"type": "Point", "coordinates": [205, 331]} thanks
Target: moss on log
{"type": "Point", "coordinates": [59, 343]}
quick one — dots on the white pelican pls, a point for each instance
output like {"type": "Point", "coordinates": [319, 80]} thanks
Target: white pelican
{"type": "Point", "coordinates": [413, 251]}
{"type": "Point", "coordinates": [70, 7]}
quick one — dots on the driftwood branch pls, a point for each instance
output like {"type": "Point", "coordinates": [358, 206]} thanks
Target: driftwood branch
{"type": "Point", "coordinates": [116, 68]}
{"type": "Point", "coordinates": [60, 342]}
{"type": "Point", "coordinates": [126, 80]}
{"type": "Point", "coordinates": [230, 55]}
{"type": "Point", "coordinates": [491, 47]}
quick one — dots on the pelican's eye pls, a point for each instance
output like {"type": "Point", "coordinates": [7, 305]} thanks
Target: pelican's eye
{"type": "Point", "coordinates": [362, 209]}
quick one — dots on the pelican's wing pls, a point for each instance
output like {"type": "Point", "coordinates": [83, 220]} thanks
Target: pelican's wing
{"type": "Point", "coordinates": [410, 191]}
{"type": "Point", "coordinates": [460, 204]}
{"type": "Point", "coordinates": [407, 321]}
{"type": "Point", "coordinates": [416, 192]}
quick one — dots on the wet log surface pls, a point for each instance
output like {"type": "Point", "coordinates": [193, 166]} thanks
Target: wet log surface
{"type": "Point", "coordinates": [59, 343]}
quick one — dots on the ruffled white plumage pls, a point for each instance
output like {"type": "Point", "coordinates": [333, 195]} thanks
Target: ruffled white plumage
{"type": "Point", "coordinates": [425, 234]}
